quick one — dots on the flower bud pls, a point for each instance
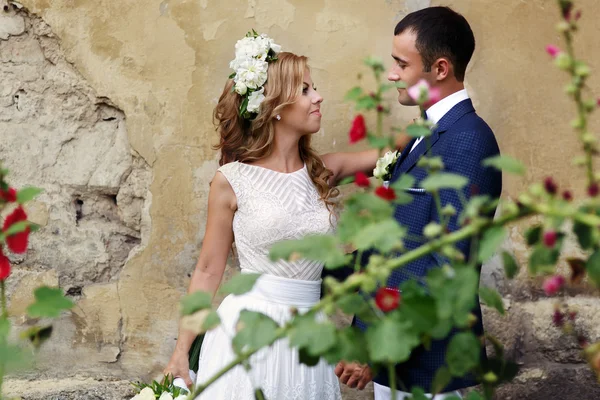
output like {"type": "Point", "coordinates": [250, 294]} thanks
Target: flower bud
{"type": "Point", "coordinates": [563, 26]}
{"type": "Point", "coordinates": [563, 61]}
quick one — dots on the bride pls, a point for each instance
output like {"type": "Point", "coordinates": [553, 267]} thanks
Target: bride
{"type": "Point", "coordinates": [271, 186]}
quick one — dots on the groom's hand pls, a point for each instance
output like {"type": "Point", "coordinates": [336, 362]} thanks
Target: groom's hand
{"type": "Point", "coordinates": [353, 375]}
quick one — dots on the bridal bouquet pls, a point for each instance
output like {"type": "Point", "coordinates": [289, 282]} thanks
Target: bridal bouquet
{"type": "Point", "coordinates": [168, 389]}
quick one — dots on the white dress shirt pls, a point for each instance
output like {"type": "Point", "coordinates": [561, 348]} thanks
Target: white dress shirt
{"type": "Point", "coordinates": [441, 108]}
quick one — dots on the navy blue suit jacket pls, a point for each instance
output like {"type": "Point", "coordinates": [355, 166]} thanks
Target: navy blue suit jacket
{"type": "Point", "coordinates": [463, 140]}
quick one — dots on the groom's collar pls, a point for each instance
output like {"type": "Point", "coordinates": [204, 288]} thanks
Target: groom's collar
{"type": "Point", "coordinates": [441, 108]}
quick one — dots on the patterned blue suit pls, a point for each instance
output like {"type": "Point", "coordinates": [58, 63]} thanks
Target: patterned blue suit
{"type": "Point", "coordinates": [463, 140]}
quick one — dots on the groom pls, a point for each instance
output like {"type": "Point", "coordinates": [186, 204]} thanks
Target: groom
{"type": "Point", "coordinates": [434, 44]}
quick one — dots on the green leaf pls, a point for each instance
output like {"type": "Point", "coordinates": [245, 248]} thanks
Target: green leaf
{"type": "Point", "coordinates": [418, 394]}
{"type": "Point", "coordinates": [374, 62]}
{"type": "Point", "coordinates": [352, 303]}
{"type": "Point", "coordinates": [15, 228]}
{"type": "Point", "coordinates": [27, 194]}
{"type": "Point", "coordinates": [391, 85]}
{"type": "Point", "coordinates": [463, 353]}
{"type": "Point", "coordinates": [353, 94]}
{"type": "Point", "coordinates": [455, 295]}
{"type": "Point", "coordinates": [324, 248]}
{"type": "Point", "coordinates": [418, 307]}
{"type": "Point", "coordinates": [442, 378]}
{"type": "Point", "coordinates": [491, 240]}
{"type": "Point", "coordinates": [195, 301]}
{"type": "Point", "coordinates": [350, 345]}
{"type": "Point", "coordinates": [585, 235]}
{"type": "Point", "coordinates": [506, 164]}
{"type": "Point", "coordinates": [384, 236]}
{"type": "Point", "coordinates": [593, 267]}
{"type": "Point", "coordinates": [379, 142]}
{"type": "Point", "coordinates": [212, 321]}
{"type": "Point", "coordinates": [444, 180]}
{"type": "Point", "coordinates": [391, 341]}
{"type": "Point", "coordinates": [416, 131]}
{"type": "Point", "coordinates": [346, 180]}
{"type": "Point", "coordinates": [533, 235]}
{"type": "Point", "coordinates": [361, 210]}
{"type": "Point", "coordinates": [49, 302]}
{"type": "Point", "coordinates": [474, 396]}
{"type": "Point", "coordinates": [406, 181]}
{"type": "Point", "coordinates": [366, 103]}
{"type": "Point", "coordinates": [491, 298]}
{"type": "Point", "coordinates": [316, 337]}
{"type": "Point", "coordinates": [256, 330]}
{"type": "Point", "coordinates": [308, 359]}
{"type": "Point", "coordinates": [510, 265]}
{"type": "Point", "coordinates": [542, 260]}
{"type": "Point", "coordinates": [240, 284]}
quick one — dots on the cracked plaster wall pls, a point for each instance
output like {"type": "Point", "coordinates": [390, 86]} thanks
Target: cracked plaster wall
{"type": "Point", "coordinates": [146, 75]}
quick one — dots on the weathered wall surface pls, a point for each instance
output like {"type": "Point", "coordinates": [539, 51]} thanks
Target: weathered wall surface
{"type": "Point", "coordinates": [107, 106]}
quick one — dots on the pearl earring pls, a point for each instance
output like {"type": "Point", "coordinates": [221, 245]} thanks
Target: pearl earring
{"type": "Point", "coordinates": [278, 117]}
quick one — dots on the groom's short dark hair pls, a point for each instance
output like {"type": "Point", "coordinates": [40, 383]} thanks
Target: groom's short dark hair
{"type": "Point", "coordinates": [441, 32]}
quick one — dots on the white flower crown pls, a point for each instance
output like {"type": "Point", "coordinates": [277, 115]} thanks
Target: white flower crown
{"type": "Point", "coordinates": [253, 54]}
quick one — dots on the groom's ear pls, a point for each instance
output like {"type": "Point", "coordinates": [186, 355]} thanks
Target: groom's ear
{"type": "Point", "coordinates": [442, 68]}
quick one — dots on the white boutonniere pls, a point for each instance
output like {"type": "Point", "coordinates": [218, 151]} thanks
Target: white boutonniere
{"type": "Point", "coordinates": [385, 165]}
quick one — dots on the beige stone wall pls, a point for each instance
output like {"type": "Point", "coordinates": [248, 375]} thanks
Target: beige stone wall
{"type": "Point", "coordinates": [107, 106]}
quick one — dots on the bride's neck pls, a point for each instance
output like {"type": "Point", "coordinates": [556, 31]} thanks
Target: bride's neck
{"type": "Point", "coordinates": [285, 156]}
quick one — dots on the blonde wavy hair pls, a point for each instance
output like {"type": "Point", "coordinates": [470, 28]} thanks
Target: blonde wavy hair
{"type": "Point", "coordinates": [245, 141]}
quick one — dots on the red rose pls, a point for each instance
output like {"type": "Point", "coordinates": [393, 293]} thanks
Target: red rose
{"type": "Point", "coordinates": [361, 179]}
{"type": "Point", "coordinates": [4, 266]}
{"type": "Point", "coordinates": [9, 195]}
{"type": "Point", "coordinates": [387, 299]}
{"type": "Point", "coordinates": [358, 131]}
{"type": "Point", "coordinates": [385, 193]}
{"type": "Point", "coordinates": [17, 243]}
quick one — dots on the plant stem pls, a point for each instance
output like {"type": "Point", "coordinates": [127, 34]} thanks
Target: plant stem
{"type": "Point", "coordinates": [581, 112]}
{"type": "Point", "coordinates": [392, 379]}
{"type": "Point", "coordinates": [3, 300]}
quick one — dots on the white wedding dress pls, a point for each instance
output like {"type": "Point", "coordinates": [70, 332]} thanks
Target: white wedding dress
{"type": "Point", "coordinates": [272, 206]}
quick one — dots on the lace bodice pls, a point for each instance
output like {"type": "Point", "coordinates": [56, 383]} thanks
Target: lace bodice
{"type": "Point", "coordinates": [274, 206]}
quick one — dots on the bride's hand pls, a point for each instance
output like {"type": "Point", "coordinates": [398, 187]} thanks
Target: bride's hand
{"type": "Point", "coordinates": [178, 366]}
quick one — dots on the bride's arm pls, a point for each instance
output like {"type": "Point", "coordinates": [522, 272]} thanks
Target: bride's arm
{"type": "Point", "coordinates": [347, 164]}
{"type": "Point", "coordinates": [211, 263]}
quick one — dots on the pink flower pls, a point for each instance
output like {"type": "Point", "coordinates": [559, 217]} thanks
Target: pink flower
{"type": "Point", "coordinates": [361, 179]}
{"type": "Point", "coordinates": [424, 94]}
{"type": "Point", "coordinates": [550, 185]}
{"type": "Point", "coordinates": [553, 284]}
{"type": "Point", "coordinates": [550, 239]}
{"type": "Point", "coordinates": [552, 50]}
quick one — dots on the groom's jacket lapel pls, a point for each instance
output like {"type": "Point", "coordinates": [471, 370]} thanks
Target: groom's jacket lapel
{"type": "Point", "coordinates": [408, 159]}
